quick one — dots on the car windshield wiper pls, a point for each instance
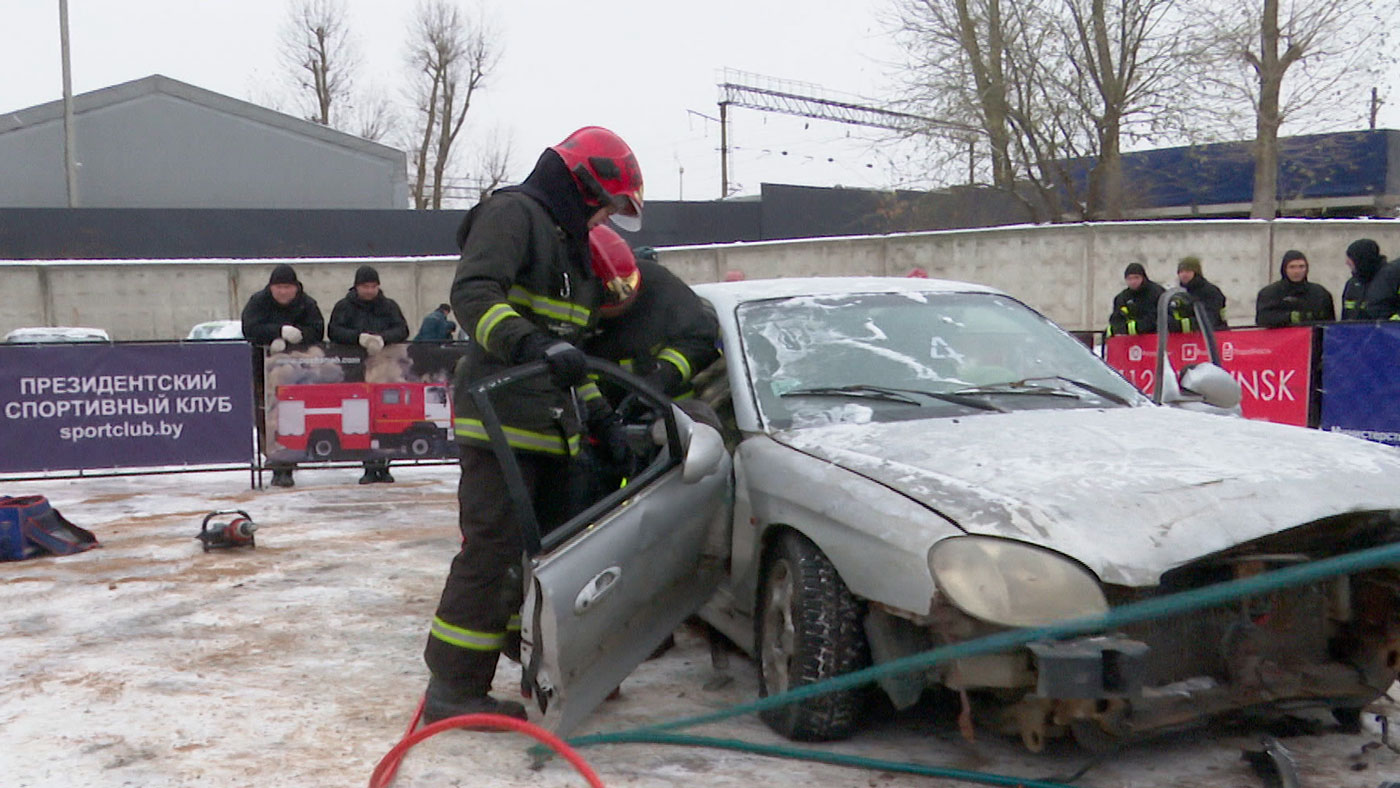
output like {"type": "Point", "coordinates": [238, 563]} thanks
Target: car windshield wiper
{"type": "Point", "coordinates": [1027, 386]}
{"type": "Point", "coordinates": [905, 396]}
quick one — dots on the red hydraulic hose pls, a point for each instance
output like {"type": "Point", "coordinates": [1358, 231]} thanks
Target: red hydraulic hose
{"type": "Point", "coordinates": [388, 766]}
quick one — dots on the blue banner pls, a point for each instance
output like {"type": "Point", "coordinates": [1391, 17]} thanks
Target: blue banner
{"type": "Point", "coordinates": [87, 406]}
{"type": "Point", "coordinates": [1361, 380]}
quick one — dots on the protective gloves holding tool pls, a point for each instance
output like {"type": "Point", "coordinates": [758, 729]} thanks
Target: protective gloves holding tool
{"type": "Point", "coordinates": [568, 368]}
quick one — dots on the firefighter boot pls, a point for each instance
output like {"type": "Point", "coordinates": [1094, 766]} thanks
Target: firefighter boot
{"type": "Point", "coordinates": [371, 474]}
{"type": "Point", "coordinates": [384, 476]}
{"type": "Point", "coordinates": [282, 477]}
{"type": "Point", "coordinates": [442, 700]}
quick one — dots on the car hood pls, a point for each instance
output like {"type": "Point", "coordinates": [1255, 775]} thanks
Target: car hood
{"type": "Point", "coordinates": [1129, 492]}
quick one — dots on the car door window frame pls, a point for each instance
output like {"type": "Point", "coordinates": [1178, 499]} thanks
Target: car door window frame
{"type": "Point", "coordinates": [532, 540]}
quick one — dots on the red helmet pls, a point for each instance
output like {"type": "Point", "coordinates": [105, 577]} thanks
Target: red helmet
{"type": "Point", "coordinates": [606, 171]}
{"type": "Point", "coordinates": [615, 265]}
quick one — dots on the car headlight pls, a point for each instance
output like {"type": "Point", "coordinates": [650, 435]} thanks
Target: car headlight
{"type": "Point", "coordinates": [1012, 583]}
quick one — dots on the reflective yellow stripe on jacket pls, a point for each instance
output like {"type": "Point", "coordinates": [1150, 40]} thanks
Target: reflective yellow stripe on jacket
{"type": "Point", "coordinates": [677, 360]}
{"type": "Point", "coordinates": [551, 308]}
{"type": "Point", "coordinates": [490, 319]}
{"type": "Point", "coordinates": [467, 638]}
{"type": "Point", "coordinates": [546, 442]}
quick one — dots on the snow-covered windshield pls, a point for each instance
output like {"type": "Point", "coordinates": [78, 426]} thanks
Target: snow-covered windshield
{"type": "Point", "coordinates": [817, 360]}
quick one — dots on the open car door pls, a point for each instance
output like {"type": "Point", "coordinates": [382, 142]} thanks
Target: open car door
{"type": "Point", "coordinates": [607, 587]}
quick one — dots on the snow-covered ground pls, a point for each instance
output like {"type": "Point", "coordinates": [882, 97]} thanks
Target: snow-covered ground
{"type": "Point", "coordinates": [150, 663]}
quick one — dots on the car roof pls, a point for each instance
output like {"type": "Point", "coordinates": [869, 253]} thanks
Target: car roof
{"type": "Point", "coordinates": [727, 294]}
{"type": "Point", "coordinates": [57, 334]}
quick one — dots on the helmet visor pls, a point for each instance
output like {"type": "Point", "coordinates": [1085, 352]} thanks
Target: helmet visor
{"type": "Point", "coordinates": [629, 214]}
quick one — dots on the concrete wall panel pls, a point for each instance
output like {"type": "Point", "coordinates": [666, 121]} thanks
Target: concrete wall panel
{"type": "Point", "coordinates": [1068, 272]}
{"type": "Point", "coordinates": [23, 301]}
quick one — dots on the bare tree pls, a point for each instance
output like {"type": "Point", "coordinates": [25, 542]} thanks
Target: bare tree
{"type": "Point", "coordinates": [317, 49]}
{"type": "Point", "coordinates": [451, 59]}
{"type": "Point", "coordinates": [1052, 87]}
{"type": "Point", "coordinates": [1125, 56]}
{"type": "Point", "coordinates": [1290, 61]}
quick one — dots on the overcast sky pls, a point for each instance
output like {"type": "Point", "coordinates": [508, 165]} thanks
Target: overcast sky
{"type": "Point", "coordinates": [639, 67]}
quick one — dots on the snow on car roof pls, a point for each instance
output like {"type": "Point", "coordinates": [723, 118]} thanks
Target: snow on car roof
{"type": "Point", "coordinates": [57, 334]}
{"type": "Point", "coordinates": [730, 293]}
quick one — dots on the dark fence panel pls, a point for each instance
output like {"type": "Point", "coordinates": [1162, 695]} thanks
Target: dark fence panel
{"type": "Point", "coordinates": [135, 405]}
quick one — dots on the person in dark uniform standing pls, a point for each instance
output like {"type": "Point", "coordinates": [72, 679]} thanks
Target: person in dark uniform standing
{"type": "Point", "coordinates": [1188, 273]}
{"type": "Point", "coordinates": [436, 326]}
{"type": "Point", "coordinates": [276, 317]}
{"type": "Point", "coordinates": [1293, 300]}
{"type": "Point", "coordinates": [525, 290]}
{"type": "Point", "coordinates": [370, 319]}
{"type": "Point", "coordinates": [1135, 307]}
{"type": "Point", "coordinates": [655, 327]}
{"type": "Point", "coordinates": [1373, 291]}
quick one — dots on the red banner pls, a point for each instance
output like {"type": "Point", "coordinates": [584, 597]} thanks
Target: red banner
{"type": "Point", "coordinates": [1273, 366]}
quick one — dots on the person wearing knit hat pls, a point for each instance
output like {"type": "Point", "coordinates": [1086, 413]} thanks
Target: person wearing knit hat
{"type": "Point", "coordinates": [277, 317]}
{"type": "Point", "coordinates": [282, 314]}
{"type": "Point", "coordinates": [1372, 291]}
{"type": "Point", "coordinates": [368, 318]}
{"type": "Point", "coordinates": [1135, 308]}
{"type": "Point", "coordinates": [1200, 290]}
{"type": "Point", "coordinates": [1293, 300]}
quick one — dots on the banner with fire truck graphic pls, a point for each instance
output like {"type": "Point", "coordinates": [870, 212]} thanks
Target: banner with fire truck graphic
{"type": "Point", "coordinates": [333, 402]}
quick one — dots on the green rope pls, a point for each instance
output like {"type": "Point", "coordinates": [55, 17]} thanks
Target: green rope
{"type": "Point", "coordinates": [1147, 610]}
{"type": "Point", "coordinates": [837, 759]}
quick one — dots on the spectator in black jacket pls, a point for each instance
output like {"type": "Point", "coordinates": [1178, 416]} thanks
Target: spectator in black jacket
{"type": "Point", "coordinates": [282, 314]}
{"type": "Point", "coordinates": [1293, 300]}
{"type": "Point", "coordinates": [1373, 292]}
{"type": "Point", "coordinates": [370, 319]}
{"type": "Point", "coordinates": [1135, 308]}
{"type": "Point", "coordinates": [1200, 289]}
{"type": "Point", "coordinates": [279, 316]}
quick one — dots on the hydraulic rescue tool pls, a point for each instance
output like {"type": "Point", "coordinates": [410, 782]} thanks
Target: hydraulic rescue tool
{"type": "Point", "coordinates": [223, 534]}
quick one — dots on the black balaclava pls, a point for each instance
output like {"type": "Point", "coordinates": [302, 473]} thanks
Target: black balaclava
{"type": "Point", "coordinates": [1367, 256]}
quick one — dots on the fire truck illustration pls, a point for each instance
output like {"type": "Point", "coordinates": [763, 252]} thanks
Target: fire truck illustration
{"type": "Point", "coordinates": [326, 420]}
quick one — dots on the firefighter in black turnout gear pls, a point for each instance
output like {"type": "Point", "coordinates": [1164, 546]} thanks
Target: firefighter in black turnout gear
{"type": "Point", "coordinates": [370, 319]}
{"type": "Point", "coordinates": [525, 290]}
{"type": "Point", "coordinates": [654, 325]}
{"type": "Point", "coordinates": [1135, 308]}
{"type": "Point", "coordinates": [1293, 300]}
{"type": "Point", "coordinates": [1183, 315]}
{"type": "Point", "coordinates": [1373, 291]}
{"type": "Point", "coordinates": [277, 317]}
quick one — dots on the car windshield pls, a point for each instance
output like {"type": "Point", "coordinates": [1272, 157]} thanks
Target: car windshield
{"type": "Point", "coordinates": [816, 360]}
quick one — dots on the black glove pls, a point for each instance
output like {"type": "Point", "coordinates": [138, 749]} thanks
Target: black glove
{"type": "Point", "coordinates": [665, 378]}
{"type": "Point", "coordinates": [567, 364]}
{"type": "Point", "coordinates": [611, 434]}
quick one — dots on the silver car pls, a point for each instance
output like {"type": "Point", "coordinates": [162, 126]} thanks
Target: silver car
{"type": "Point", "coordinates": [917, 462]}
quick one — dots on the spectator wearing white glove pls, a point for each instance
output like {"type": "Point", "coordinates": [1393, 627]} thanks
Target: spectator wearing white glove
{"type": "Point", "coordinates": [368, 318]}
{"type": "Point", "coordinates": [276, 317]}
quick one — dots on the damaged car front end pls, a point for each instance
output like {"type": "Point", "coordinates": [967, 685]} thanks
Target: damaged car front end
{"type": "Point", "coordinates": [923, 464]}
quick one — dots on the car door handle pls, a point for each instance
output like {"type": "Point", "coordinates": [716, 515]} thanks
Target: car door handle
{"type": "Point", "coordinates": [600, 585]}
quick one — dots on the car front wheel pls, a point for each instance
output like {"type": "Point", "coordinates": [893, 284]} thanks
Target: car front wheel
{"type": "Point", "coordinates": [809, 629]}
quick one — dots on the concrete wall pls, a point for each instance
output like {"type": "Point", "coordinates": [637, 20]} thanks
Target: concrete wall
{"type": "Point", "coordinates": [160, 299]}
{"type": "Point", "coordinates": [1069, 272]}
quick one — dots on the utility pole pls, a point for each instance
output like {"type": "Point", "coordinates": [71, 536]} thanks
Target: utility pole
{"type": "Point", "coordinates": [1375, 107]}
{"type": "Point", "coordinates": [723, 149]}
{"type": "Point", "coordinates": [69, 167]}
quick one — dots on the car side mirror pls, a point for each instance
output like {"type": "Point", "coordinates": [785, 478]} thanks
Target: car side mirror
{"type": "Point", "coordinates": [703, 453]}
{"type": "Point", "coordinates": [1216, 386]}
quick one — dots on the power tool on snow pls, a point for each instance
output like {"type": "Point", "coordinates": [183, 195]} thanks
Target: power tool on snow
{"type": "Point", "coordinates": [221, 535]}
